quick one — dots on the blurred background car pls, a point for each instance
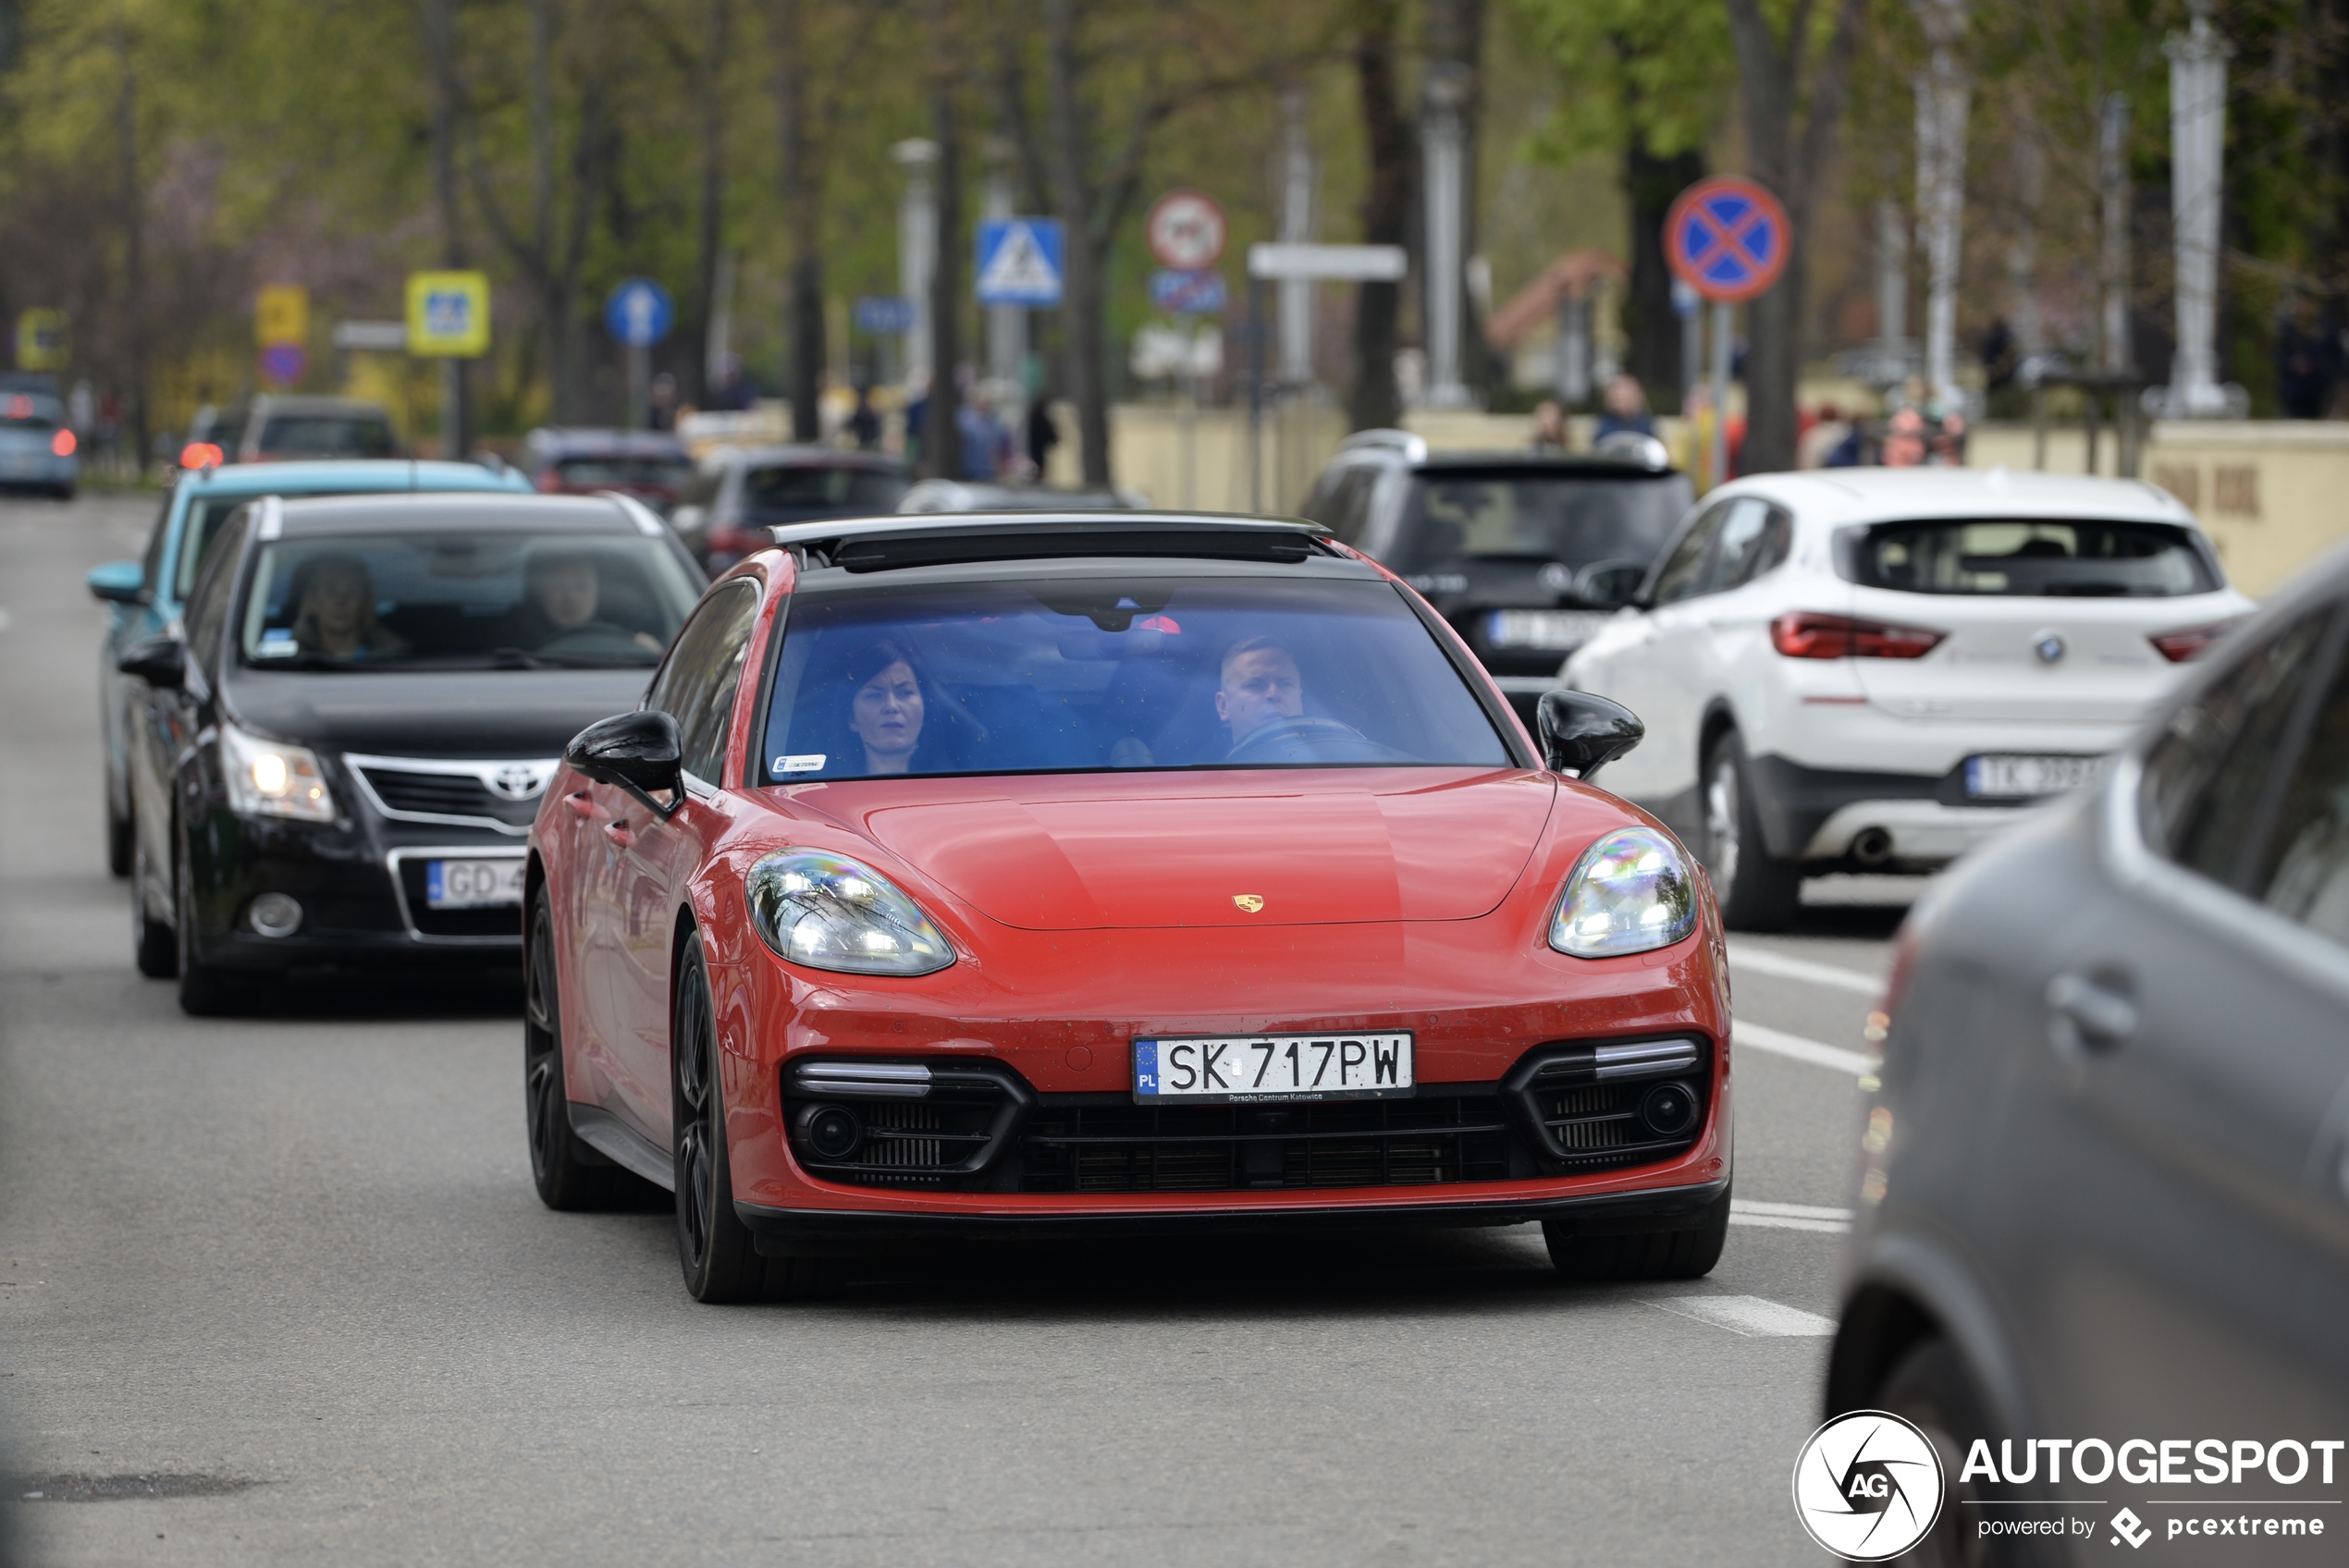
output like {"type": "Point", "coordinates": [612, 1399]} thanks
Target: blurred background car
{"type": "Point", "coordinates": [2105, 1180]}
{"type": "Point", "coordinates": [982, 496]}
{"type": "Point", "coordinates": [38, 449]}
{"type": "Point", "coordinates": [651, 465]}
{"type": "Point", "coordinates": [1525, 553]}
{"type": "Point", "coordinates": [342, 752]}
{"type": "Point", "coordinates": [742, 492]}
{"type": "Point", "coordinates": [1872, 670]}
{"type": "Point", "coordinates": [281, 429]}
{"type": "Point", "coordinates": [147, 595]}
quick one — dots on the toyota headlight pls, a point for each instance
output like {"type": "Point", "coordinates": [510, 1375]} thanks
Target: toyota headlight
{"type": "Point", "coordinates": [1630, 893]}
{"type": "Point", "coordinates": [828, 911]}
{"type": "Point", "coordinates": [272, 778]}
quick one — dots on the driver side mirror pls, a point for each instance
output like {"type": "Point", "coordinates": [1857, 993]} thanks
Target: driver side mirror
{"type": "Point", "coordinates": [641, 752]}
{"type": "Point", "coordinates": [119, 583]}
{"type": "Point", "coordinates": [1610, 585]}
{"type": "Point", "coordinates": [160, 662]}
{"type": "Point", "coordinates": [1581, 733]}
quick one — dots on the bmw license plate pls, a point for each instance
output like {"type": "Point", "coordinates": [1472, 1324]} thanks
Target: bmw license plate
{"type": "Point", "coordinates": [1556, 630]}
{"type": "Point", "coordinates": [1227, 1068]}
{"type": "Point", "coordinates": [472, 883]}
{"type": "Point", "coordinates": [2023, 777]}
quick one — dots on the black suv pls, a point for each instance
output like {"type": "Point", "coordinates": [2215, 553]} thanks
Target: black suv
{"type": "Point", "coordinates": [1524, 552]}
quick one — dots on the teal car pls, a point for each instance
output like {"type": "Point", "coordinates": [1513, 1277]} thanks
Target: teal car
{"type": "Point", "coordinates": [146, 594]}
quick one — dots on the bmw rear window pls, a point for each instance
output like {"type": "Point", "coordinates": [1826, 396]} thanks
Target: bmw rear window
{"type": "Point", "coordinates": [2026, 557]}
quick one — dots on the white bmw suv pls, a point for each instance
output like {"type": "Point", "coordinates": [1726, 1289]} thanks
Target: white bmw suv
{"type": "Point", "coordinates": [1870, 669]}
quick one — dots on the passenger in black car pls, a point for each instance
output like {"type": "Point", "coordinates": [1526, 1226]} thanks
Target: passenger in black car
{"type": "Point", "coordinates": [334, 611]}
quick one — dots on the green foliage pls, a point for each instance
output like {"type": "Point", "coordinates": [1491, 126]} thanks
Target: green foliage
{"type": "Point", "coordinates": [1660, 69]}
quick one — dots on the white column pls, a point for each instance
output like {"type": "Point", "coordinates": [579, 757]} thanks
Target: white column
{"type": "Point", "coordinates": [2112, 188]}
{"type": "Point", "coordinates": [1442, 148]}
{"type": "Point", "coordinates": [1942, 102]}
{"type": "Point", "coordinates": [1006, 324]}
{"type": "Point", "coordinates": [1891, 292]}
{"type": "Point", "coordinates": [1572, 381]}
{"type": "Point", "coordinates": [916, 247]}
{"type": "Point", "coordinates": [1296, 227]}
{"type": "Point", "coordinates": [2197, 147]}
{"type": "Point", "coordinates": [2022, 250]}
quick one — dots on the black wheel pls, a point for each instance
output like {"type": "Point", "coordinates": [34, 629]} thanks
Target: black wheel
{"type": "Point", "coordinates": [1757, 891]}
{"type": "Point", "coordinates": [569, 1174]}
{"type": "Point", "coordinates": [1649, 1254]}
{"type": "Point", "coordinates": [151, 941]}
{"type": "Point", "coordinates": [205, 990]}
{"type": "Point", "coordinates": [720, 1261]}
{"type": "Point", "coordinates": [118, 839]}
{"type": "Point", "coordinates": [1930, 1387]}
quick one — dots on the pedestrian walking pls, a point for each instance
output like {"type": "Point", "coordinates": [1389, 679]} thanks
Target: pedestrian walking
{"type": "Point", "coordinates": [1042, 435]}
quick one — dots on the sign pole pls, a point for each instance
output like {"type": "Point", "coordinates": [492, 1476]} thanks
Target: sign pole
{"type": "Point", "coordinates": [1723, 322]}
{"type": "Point", "coordinates": [640, 386]}
{"type": "Point", "coordinates": [1255, 392]}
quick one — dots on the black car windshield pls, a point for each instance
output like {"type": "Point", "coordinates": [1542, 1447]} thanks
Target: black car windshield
{"type": "Point", "coordinates": [2034, 557]}
{"type": "Point", "coordinates": [1098, 673]}
{"type": "Point", "coordinates": [443, 601]}
{"type": "Point", "coordinates": [1454, 515]}
{"type": "Point", "coordinates": [793, 491]}
{"type": "Point", "coordinates": [326, 435]}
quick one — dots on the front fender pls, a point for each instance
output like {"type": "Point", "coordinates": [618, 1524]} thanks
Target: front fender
{"type": "Point", "coordinates": [1908, 1283]}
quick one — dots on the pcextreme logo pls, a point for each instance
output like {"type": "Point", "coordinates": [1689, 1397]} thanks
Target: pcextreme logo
{"type": "Point", "coordinates": [1867, 1486]}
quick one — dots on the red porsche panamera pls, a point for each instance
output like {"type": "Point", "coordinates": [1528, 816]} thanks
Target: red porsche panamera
{"type": "Point", "coordinates": [1037, 875]}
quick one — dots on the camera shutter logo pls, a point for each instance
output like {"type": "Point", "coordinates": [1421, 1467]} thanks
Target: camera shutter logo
{"type": "Point", "coordinates": [1867, 1486]}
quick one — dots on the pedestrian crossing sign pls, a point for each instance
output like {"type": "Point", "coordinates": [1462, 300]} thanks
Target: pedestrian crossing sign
{"type": "Point", "coordinates": [448, 315]}
{"type": "Point", "coordinates": [1020, 261]}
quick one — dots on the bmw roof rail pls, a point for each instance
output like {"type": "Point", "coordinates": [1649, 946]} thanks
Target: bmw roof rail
{"type": "Point", "coordinates": [1413, 447]}
{"type": "Point", "coordinates": [890, 543]}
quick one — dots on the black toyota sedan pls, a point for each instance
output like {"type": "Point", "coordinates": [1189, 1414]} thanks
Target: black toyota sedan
{"type": "Point", "coordinates": [341, 755]}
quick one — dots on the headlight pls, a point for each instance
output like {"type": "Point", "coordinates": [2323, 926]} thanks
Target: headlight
{"type": "Point", "coordinates": [271, 778]}
{"type": "Point", "coordinates": [1630, 893]}
{"type": "Point", "coordinates": [830, 912]}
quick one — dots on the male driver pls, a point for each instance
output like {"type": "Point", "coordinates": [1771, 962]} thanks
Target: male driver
{"type": "Point", "coordinates": [1261, 686]}
{"type": "Point", "coordinates": [565, 593]}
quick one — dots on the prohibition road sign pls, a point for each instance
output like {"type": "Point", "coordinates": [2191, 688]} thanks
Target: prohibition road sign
{"type": "Point", "coordinates": [1727, 237]}
{"type": "Point", "coordinates": [1186, 231]}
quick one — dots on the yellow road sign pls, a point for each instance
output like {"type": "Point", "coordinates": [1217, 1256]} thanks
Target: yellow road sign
{"type": "Point", "coordinates": [448, 315]}
{"type": "Point", "coordinates": [42, 343]}
{"type": "Point", "coordinates": [281, 314]}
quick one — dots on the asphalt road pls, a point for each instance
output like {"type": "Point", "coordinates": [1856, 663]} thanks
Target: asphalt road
{"type": "Point", "coordinates": [278, 1290]}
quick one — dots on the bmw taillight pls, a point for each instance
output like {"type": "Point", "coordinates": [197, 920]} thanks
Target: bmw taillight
{"type": "Point", "coordinates": [1807, 634]}
{"type": "Point", "coordinates": [62, 443]}
{"type": "Point", "coordinates": [2189, 642]}
{"type": "Point", "coordinates": [200, 454]}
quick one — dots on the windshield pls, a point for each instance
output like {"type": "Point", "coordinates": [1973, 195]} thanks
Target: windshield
{"type": "Point", "coordinates": [506, 601]}
{"type": "Point", "coordinates": [1096, 673]}
{"type": "Point", "coordinates": [326, 435]}
{"type": "Point", "coordinates": [846, 491]}
{"type": "Point", "coordinates": [2030, 556]}
{"type": "Point", "coordinates": [596, 473]}
{"type": "Point", "coordinates": [1577, 519]}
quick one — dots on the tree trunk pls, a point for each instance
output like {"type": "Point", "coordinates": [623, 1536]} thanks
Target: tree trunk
{"type": "Point", "coordinates": [1372, 402]}
{"type": "Point", "coordinates": [1788, 160]}
{"type": "Point", "coordinates": [1081, 300]}
{"type": "Point", "coordinates": [941, 434]}
{"type": "Point", "coordinates": [440, 44]}
{"type": "Point", "coordinates": [1650, 184]}
{"type": "Point", "coordinates": [803, 221]}
{"type": "Point", "coordinates": [134, 251]}
{"type": "Point", "coordinates": [694, 383]}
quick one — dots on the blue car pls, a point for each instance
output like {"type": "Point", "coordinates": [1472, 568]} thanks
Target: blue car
{"type": "Point", "coordinates": [147, 594]}
{"type": "Point", "coordinates": [37, 446]}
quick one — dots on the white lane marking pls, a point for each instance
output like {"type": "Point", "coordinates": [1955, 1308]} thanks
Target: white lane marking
{"type": "Point", "coordinates": [1772, 1216]}
{"type": "Point", "coordinates": [1748, 1316]}
{"type": "Point", "coordinates": [1788, 1210]}
{"type": "Point", "coordinates": [1764, 961]}
{"type": "Point", "coordinates": [1818, 1053]}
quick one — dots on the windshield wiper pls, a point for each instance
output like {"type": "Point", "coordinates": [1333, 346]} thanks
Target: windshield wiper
{"type": "Point", "coordinates": [518, 658]}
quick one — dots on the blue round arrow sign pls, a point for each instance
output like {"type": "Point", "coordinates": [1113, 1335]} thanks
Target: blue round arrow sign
{"type": "Point", "coordinates": [639, 313]}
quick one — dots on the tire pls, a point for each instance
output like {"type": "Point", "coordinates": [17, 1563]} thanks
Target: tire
{"type": "Point", "coordinates": [1757, 892]}
{"type": "Point", "coordinates": [1648, 1255]}
{"type": "Point", "coordinates": [569, 1174]}
{"type": "Point", "coordinates": [118, 833]}
{"type": "Point", "coordinates": [206, 991]}
{"type": "Point", "coordinates": [153, 944]}
{"type": "Point", "coordinates": [1930, 1387]}
{"type": "Point", "coordinates": [721, 1260]}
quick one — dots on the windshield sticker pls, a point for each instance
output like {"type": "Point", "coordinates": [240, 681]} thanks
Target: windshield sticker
{"type": "Point", "coordinates": [808, 762]}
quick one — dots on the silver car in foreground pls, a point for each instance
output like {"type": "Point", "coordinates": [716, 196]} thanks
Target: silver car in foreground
{"type": "Point", "coordinates": [2103, 1228]}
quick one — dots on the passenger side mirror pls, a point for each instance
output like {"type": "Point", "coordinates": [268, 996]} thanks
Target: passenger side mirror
{"type": "Point", "coordinates": [1581, 733]}
{"type": "Point", "coordinates": [160, 662]}
{"type": "Point", "coordinates": [1610, 585]}
{"type": "Point", "coordinates": [641, 752]}
{"type": "Point", "coordinates": [119, 583]}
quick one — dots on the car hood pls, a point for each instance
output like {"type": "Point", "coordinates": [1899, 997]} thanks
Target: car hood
{"type": "Point", "coordinates": [501, 713]}
{"type": "Point", "coordinates": [1315, 846]}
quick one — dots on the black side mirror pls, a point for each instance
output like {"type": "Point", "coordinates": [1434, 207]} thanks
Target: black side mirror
{"type": "Point", "coordinates": [641, 752]}
{"type": "Point", "coordinates": [160, 662]}
{"type": "Point", "coordinates": [1610, 585]}
{"type": "Point", "coordinates": [1581, 733]}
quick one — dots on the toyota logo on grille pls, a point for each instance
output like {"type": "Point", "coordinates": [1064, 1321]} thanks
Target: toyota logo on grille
{"type": "Point", "coordinates": [517, 782]}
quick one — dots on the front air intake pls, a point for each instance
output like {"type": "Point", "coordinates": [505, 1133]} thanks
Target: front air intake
{"type": "Point", "coordinates": [1585, 1107]}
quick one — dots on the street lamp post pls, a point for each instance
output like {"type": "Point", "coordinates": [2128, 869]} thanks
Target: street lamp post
{"type": "Point", "coordinates": [1942, 103]}
{"type": "Point", "coordinates": [916, 247]}
{"type": "Point", "coordinates": [2197, 148]}
{"type": "Point", "coordinates": [1442, 144]}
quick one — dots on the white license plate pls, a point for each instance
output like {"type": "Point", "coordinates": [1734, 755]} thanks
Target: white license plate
{"type": "Point", "coordinates": [1335, 1066]}
{"type": "Point", "coordinates": [1562, 630]}
{"type": "Point", "coordinates": [2015, 777]}
{"type": "Point", "coordinates": [472, 883]}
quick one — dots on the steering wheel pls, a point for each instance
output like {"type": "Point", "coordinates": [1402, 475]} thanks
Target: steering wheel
{"type": "Point", "coordinates": [1309, 740]}
{"type": "Point", "coordinates": [592, 639]}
